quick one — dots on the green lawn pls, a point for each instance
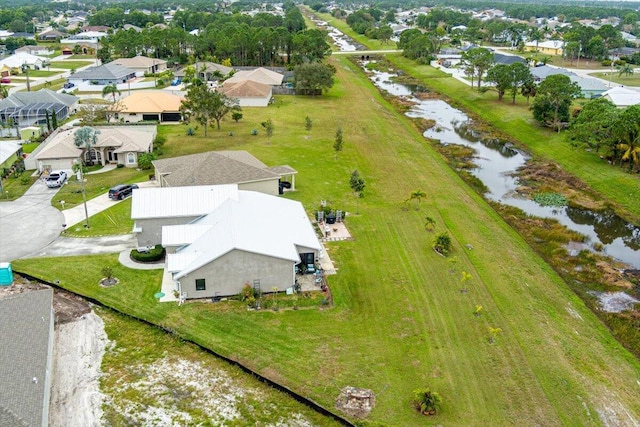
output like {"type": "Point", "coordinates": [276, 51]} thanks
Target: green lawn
{"type": "Point", "coordinates": [14, 188]}
{"type": "Point", "coordinates": [95, 185]}
{"type": "Point", "coordinates": [29, 147]}
{"type": "Point", "coordinates": [616, 184]}
{"type": "Point", "coordinates": [42, 73]}
{"type": "Point", "coordinates": [400, 321]}
{"type": "Point", "coordinates": [632, 80]}
{"type": "Point", "coordinates": [69, 64]}
{"type": "Point", "coordinates": [112, 221]}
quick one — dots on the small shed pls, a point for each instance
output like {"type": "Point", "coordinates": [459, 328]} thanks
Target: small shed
{"type": "Point", "coordinates": [30, 132]}
{"type": "Point", "coordinates": [6, 274]}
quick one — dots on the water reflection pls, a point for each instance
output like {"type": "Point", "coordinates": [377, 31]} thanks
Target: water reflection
{"type": "Point", "coordinates": [497, 161]}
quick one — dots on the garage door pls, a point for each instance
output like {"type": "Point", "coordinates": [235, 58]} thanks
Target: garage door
{"type": "Point", "coordinates": [171, 117]}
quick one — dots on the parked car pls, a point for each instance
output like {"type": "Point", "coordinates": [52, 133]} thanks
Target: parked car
{"type": "Point", "coordinates": [56, 179]}
{"type": "Point", "coordinates": [5, 80]}
{"type": "Point", "coordinates": [121, 191]}
{"type": "Point", "coordinates": [68, 85]}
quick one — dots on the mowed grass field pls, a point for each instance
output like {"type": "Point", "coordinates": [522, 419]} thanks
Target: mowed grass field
{"type": "Point", "coordinates": [400, 321]}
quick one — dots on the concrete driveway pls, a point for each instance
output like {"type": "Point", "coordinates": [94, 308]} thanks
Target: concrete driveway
{"type": "Point", "coordinates": [29, 224]}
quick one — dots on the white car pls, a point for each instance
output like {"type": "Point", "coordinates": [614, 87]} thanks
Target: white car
{"type": "Point", "coordinates": [56, 179]}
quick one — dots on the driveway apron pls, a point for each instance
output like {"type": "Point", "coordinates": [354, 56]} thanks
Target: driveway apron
{"type": "Point", "coordinates": [29, 223]}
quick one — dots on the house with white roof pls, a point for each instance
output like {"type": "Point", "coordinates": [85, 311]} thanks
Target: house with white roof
{"type": "Point", "coordinates": [260, 75]}
{"type": "Point", "coordinates": [622, 97]}
{"type": "Point", "coordinates": [252, 238]}
{"type": "Point", "coordinates": [153, 208]}
{"type": "Point", "coordinates": [19, 59]}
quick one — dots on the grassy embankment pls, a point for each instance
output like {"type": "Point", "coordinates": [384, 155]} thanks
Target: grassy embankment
{"type": "Point", "coordinates": [613, 183]}
{"type": "Point", "coordinates": [400, 321]}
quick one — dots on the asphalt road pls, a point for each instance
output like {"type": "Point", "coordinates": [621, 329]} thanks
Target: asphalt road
{"type": "Point", "coordinates": [29, 223]}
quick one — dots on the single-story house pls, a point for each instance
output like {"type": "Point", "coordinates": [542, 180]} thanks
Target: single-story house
{"type": "Point", "coordinates": [106, 74]}
{"type": "Point", "coordinates": [85, 38]}
{"type": "Point", "coordinates": [159, 106]}
{"type": "Point", "coordinates": [254, 238]}
{"type": "Point", "coordinates": [501, 58]}
{"type": "Point", "coordinates": [17, 60]}
{"type": "Point", "coordinates": [547, 47]}
{"type": "Point", "coordinates": [10, 152]}
{"type": "Point", "coordinates": [248, 93]}
{"type": "Point", "coordinates": [51, 36]}
{"type": "Point", "coordinates": [205, 70]}
{"type": "Point", "coordinates": [260, 75]}
{"type": "Point", "coordinates": [153, 208]}
{"type": "Point", "coordinates": [34, 50]}
{"type": "Point", "coordinates": [26, 340]}
{"type": "Point", "coordinates": [589, 86]}
{"type": "Point", "coordinates": [31, 108]}
{"type": "Point", "coordinates": [222, 167]}
{"type": "Point", "coordinates": [622, 97]}
{"type": "Point", "coordinates": [142, 64]}
{"type": "Point", "coordinates": [116, 144]}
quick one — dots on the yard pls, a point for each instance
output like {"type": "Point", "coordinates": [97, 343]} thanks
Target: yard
{"type": "Point", "coordinates": [400, 321]}
{"type": "Point", "coordinates": [615, 77]}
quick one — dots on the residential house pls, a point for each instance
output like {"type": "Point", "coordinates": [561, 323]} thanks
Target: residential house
{"type": "Point", "coordinates": [142, 64]}
{"type": "Point", "coordinates": [260, 75]}
{"type": "Point", "coordinates": [249, 93]}
{"type": "Point", "coordinates": [35, 50]}
{"type": "Point", "coordinates": [51, 36]}
{"type": "Point", "coordinates": [501, 58]}
{"type": "Point", "coordinates": [223, 167]}
{"type": "Point", "coordinates": [589, 86]}
{"type": "Point", "coordinates": [89, 40]}
{"type": "Point", "coordinates": [630, 38]}
{"type": "Point", "coordinates": [26, 340]}
{"type": "Point", "coordinates": [103, 75]}
{"type": "Point", "coordinates": [31, 108]}
{"type": "Point", "coordinates": [622, 96]}
{"type": "Point", "coordinates": [157, 105]}
{"type": "Point", "coordinates": [18, 60]}
{"type": "Point", "coordinates": [253, 238]}
{"type": "Point", "coordinates": [10, 152]}
{"type": "Point", "coordinates": [546, 47]}
{"type": "Point", "coordinates": [207, 71]}
{"type": "Point", "coordinates": [116, 145]}
{"type": "Point", "coordinates": [153, 208]}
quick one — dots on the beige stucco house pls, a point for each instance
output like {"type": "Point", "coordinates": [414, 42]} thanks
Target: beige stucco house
{"type": "Point", "coordinates": [142, 64]}
{"type": "Point", "coordinates": [116, 144]}
{"type": "Point", "coordinates": [147, 105]}
{"type": "Point", "coordinates": [251, 238]}
{"type": "Point", "coordinates": [223, 167]}
{"type": "Point", "coordinates": [248, 93]}
{"type": "Point", "coordinates": [260, 75]}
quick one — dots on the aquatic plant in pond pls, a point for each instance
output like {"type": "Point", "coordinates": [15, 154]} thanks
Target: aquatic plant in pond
{"type": "Point", "coordinates": [550, 199]}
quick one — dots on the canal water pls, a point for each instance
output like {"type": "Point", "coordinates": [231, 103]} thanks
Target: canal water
{"type": "Point", "coordinates": [497, 162]}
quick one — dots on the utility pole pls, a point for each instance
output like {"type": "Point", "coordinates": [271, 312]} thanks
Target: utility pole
{"type": "Point", "coordinates": [80, 177]}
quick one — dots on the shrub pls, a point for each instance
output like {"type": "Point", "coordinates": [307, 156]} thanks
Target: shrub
{"type": "Point", "coordinates": [120, 165]}
{"type": "Point", "coordinates": [426, 400]}
{"type": "Point", "coordinates": [145, 159]}
{"type": "Point", "coordinates": [153, 255]}
{"type": "Point", "coordinates": [254, 132]}
{"type": "Point", "coordinates": [442, 243]}
{"type": "Point", "coordinates": [24, 179]}
{"type": "Point", "coordinates": [160, 140]}
{"type": "Point", "coordinates": [190, 132]}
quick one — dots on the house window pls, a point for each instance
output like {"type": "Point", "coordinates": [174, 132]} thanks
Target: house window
{"type": "Point", "coordinates": [131, 158]}
{"type": "Point", "coordinates": [200, 285]}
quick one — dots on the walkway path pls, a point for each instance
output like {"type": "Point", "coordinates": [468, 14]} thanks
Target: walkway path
{"type": "Point", "coordinates": [96, 205]}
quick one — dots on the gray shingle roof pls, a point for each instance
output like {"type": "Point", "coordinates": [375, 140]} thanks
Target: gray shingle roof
{"type": "Point", "coordinates": [103, 72]}
{"type": "Point", "coordinates": [25, 330]}
{"type": "Point", "coordinates": [42, 96]}
{"type": "Point", "coordinates": [213, 168]}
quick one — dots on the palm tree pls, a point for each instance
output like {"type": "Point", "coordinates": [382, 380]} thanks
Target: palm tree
{"type": "Point", "coordinates": [626, 70]}
{"type": "Point", "coordinates": [86, 138]}
{"type": "Point", "coordinates": [112, 90]}
{"type": "Point", "coordinates": [418, 195]}
{"type": "Point", "coordinates": [426, 400]}
{"type": "Point", "coordinates": [631, 149]}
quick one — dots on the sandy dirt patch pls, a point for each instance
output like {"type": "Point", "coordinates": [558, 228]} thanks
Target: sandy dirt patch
{"type": "Point", "coordinates": [75, 392]}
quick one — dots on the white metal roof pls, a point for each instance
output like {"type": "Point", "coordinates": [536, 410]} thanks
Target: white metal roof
{"type": "Point", "coordinates": [180, 201]}
{"type": "Point", "coordinates": [622, 96]}
{"type": "Point", "coordinates": [8, 149]}
{"type": "Point", "coordinates": [254, 222]}
{"type": "Point", "coordinates": [183, 234]}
